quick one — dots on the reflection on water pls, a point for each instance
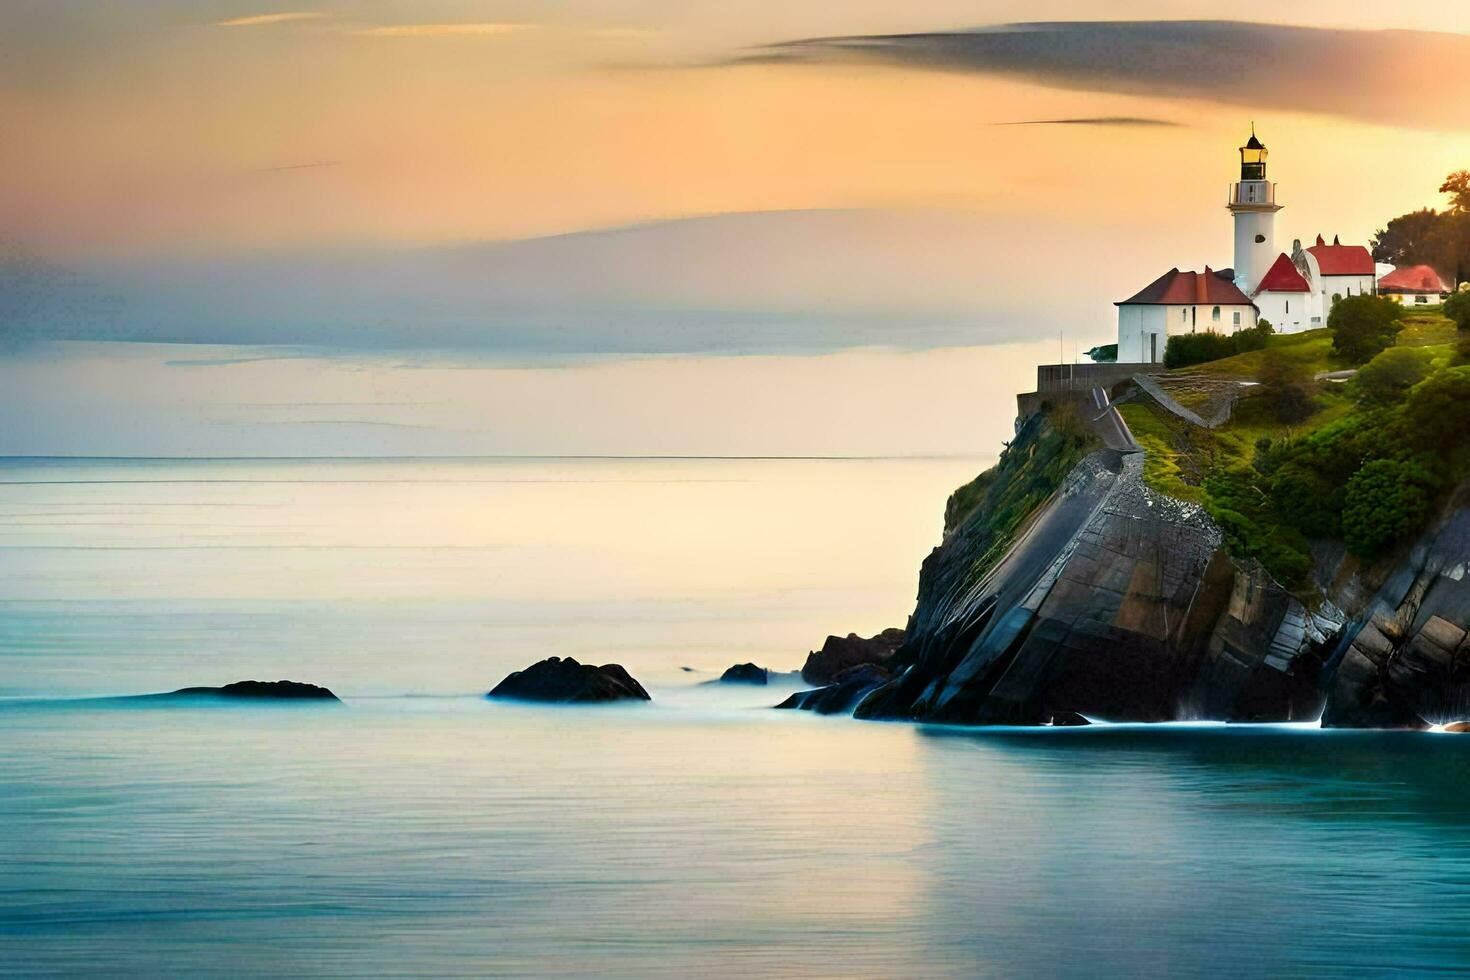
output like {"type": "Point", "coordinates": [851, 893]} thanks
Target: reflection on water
{"type": "Point", "coordinates": [708, 837]}
{"type": "Point", "coordinates": [700, 834]}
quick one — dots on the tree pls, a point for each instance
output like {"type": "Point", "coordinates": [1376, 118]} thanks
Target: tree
{"type": "Point", "coordinates": [1364, 325]}
{"type": "Point", "coordinates": [1386, 500]}
{"type": "Point", "coordinates": [1285, 387]}
{"type": "Point", "coordinates": [1448, 247]}
{"type": "Point", "coordinates": [1438, 409]}
{"type": "Point", "coordinates": [1406, 239]}
{"type": "Point", "coordinates": [1387, 378]}
{"type": "Point", "coordinates": [1457, 186]}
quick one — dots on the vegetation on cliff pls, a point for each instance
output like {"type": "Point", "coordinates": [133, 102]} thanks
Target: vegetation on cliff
{"type": "Point", "coordinates": [1031, 468]}
{"type": "Point", "coordinates": [1366, 460]}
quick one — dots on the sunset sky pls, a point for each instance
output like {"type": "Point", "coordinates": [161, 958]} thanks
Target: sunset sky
{"type": "Point", "coordinates": [357, 182]}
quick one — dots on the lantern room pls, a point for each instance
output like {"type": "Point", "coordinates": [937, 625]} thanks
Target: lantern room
{"type": "Point", "coordinates": [1253, 159]}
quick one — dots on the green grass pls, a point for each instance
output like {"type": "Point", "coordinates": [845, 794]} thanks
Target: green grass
{"type": "Point", "coordinates": [1427, 329]}
{"type": "Point", "coordinates": [1311, 349]}
{"type": "Point", "coordinates": [1167, 446]}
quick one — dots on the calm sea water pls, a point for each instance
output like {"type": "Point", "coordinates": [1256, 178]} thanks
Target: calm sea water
{"type": "Point", "coordinates": [418, 829]}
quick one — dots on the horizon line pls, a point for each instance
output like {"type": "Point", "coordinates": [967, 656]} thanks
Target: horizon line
{"type": "Point", "coordinates": [489, 456]}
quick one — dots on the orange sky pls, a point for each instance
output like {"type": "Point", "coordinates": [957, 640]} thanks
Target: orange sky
{"type": "Point", "coordinates": [208, 171]}
{"type": "Point", "coordinates": [172, 126]}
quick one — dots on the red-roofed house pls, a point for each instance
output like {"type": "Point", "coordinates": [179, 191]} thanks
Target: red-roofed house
{"type": "Point", "coordinates": [1175, 303]}
{"type": "Point", "coordinates": [1284, 297]}
{"type": "Point", "coordinates": [1418, 285]}
{"type": "Point", "coordinates": [1335, 271]}
{"type": "Point", "coordinates": [1295, 293]}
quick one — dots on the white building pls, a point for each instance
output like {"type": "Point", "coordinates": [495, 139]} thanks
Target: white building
{"type": "Point", "coordinates": [1284, 297]}
{"type": "Point", "coordinates": [1294, 292]}
{"type": "Point", "coordinates": [1335, 271]}
{"type": "Point", "coordinates": [1178, 303]}
{"type": "Point", "coordinates": [1253, 206]}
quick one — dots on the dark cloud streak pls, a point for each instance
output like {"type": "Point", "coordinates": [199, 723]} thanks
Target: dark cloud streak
{"type": "Point", "coordinates": [1411, 78]}
{"type": "Point", "coordinates": [1092, 121]}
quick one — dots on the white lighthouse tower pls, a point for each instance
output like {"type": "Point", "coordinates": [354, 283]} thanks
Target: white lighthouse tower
{"type": "Point", "coordinates": [1253, 203]}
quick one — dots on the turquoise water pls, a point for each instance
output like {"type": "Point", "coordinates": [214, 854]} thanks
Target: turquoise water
{"type": "Point", "coordinates": [419, 829]}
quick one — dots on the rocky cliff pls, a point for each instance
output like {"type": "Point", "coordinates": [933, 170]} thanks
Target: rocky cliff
{"type": "Point", "coordinates": [1113, 601]}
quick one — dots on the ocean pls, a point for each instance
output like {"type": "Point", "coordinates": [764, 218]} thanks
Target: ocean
{"type": "Point", "coordinates": [419, 829]}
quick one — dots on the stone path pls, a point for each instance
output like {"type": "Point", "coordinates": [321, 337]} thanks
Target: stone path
{"type": "Point", "coordinates": [1169, 403]}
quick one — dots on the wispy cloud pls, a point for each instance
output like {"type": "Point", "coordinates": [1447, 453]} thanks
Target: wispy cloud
{"type": "Point", "coordinates": [1091, 121]}
{"type": "Point", "coordinates": [441, 30]}
{"type": "Point", "coordinates": [262, 20]}
{"type": "Point", "coordinates": [287, 167]}
{"type": "Point", "coordinates": [1375, 75]}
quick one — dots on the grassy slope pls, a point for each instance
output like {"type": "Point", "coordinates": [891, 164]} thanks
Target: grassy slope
{"type": "Point", "coordinates": [1180, 456]}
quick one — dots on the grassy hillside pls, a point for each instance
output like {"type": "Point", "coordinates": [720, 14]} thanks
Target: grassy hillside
{"type": "Point", "coordinates": [1365, 459]}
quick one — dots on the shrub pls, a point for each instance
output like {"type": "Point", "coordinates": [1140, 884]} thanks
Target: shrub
{"type": "Point", "coordinates": [1364, 325]}
{"type": "Point", "coordinates": [1438, 409]}
{"type": "Point", "coordinates": [1286, 389]}
{"type": "Point", "coordinates": [1384, 502]}
{"type": "Point", "coordinates": [1253, 338]}
{"type": "Point", "coordinates": [1306, 501]}
{"type": "Point", "coordinates": [1457, 308]}
{"type": "Point", "coordinates": [1197, 348]}
{"type": "Point", "coordinates": [1389, 376]}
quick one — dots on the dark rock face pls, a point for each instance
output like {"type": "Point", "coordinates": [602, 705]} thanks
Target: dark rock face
{"type": "Point", "coordinates": [1108, 600]}
{"type": "Point", "coordinates": [745, 674]}
{"type": "Point", "coordinates": [842, 653]}
{"type": "Point", "coordinates": [1405, 662]}
{"type": "Point", "coordinates": [260, 690]}
{"type": "Point", "coordinates": [843, 694]}
{"type": "Point", "coordinates": [1111, 602]}
{"type": "Point", "coordinates": [567, 681]}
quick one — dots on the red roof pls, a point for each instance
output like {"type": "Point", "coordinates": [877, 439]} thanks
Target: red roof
{"type": "Point", "coordinates": [1342, 260]}
{"type": "Point", "coordinates": [1175, 288]}
{"type": "Point", "coordinates": [1414, 279]}
{"type": "Point", "coordinates": [1282, 277]}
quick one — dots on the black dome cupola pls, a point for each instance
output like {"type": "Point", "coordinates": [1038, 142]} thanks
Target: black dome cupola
{"type": "Point", "coordinates": [1253, 159]}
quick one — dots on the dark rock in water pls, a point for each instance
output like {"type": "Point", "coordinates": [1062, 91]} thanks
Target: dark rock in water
{"type": "Point", "coordinates": [1406, 663]}
{"type": "Point", "coordinates": [844, 694]}
{"type": "Point", "coordinates": [841, 653]}
{"type": "Point", "coordinates": [1116, 602]}
{"type": "Point", "coordinates": [1068, 719]}
{"type": "Point", "coordinates": [567, 681]}
{"type": "Point", "coordinates": [260, 690]}
{"type": "Point", "coordinates": [1065, 590]}
{"type": "Point", "coordinates": [745, 674]}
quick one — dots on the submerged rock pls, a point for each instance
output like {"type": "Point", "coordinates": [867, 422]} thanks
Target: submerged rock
{"type": "Point", "coordinates": [260, 691]}
{"type": "Point", "coordinates": [841, 653]}
{"type": "Point", "coordinates": [567, 681]}
{"type": "Point", "coordinates": [745, 674]}
{"type": "Point", "coordinates": [844, 694]}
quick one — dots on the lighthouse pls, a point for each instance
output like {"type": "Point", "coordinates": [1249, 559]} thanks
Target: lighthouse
{"type": "Point", "coordinates": [1253, 203]}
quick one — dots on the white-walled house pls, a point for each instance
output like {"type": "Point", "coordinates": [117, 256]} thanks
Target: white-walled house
{"type": "Point", "coordinates": [1335, 271]}
{"type": "Point", "coordinates": [1417, 285]}
{"type": "Point", "coordinates": [1284, 297]}
{"type": "Point", "coordinates": [1179, 303]}
{"type": "Point", "coordinates": [1295, 293]}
